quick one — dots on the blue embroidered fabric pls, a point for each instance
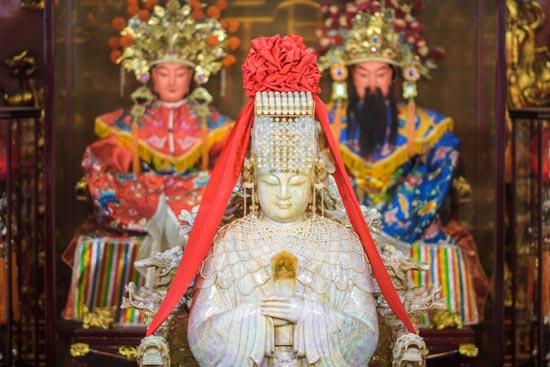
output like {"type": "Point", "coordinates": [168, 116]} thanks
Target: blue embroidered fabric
{"type": "Point", "coordinates": [410, 196]}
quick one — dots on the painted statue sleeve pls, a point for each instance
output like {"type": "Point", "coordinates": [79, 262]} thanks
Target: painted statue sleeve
{"type": "Point", "coordinates": [224, 336]}
{"type": "Point", "coordinates": [421, 191]}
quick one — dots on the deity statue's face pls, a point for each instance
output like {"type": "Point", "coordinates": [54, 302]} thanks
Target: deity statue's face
{"type": "Point", "coordinates": [284, 197]}
{"type": "Point", "coordinates": [171, 81]}
{"type": "Point", "coordinates": [372, 74]}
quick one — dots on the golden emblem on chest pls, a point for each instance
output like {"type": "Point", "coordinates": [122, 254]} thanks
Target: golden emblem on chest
{"type": "Point", "coordinates": [284, 266]}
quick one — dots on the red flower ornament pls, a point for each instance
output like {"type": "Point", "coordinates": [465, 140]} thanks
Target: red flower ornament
{"type": "Point", "coordinates": [280, 64]}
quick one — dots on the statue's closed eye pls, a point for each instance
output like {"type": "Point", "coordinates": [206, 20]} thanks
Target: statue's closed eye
{"type": "Point", "coordinates": [297, 180]}
{"type": "Point", "coordinates": [270, 180]}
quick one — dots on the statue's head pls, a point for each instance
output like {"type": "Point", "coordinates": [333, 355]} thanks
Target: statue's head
{"type": "Point", "coordinates": [172, 81]}
{"type": "Point", "coordinates": [176, 35]}
{"type": "Point", "coordinates": [284, 154]}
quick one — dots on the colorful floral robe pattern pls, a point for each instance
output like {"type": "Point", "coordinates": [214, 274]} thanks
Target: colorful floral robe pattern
{"type": "Point", "coordinates": [408, 191]}
{"type": "Point", "coordinates": [169, 156]}
{"type": "Point", "coordinates": [136, 214]}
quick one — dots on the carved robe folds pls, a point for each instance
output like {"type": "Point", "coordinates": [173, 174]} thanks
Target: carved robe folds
{"type": "Point", "coordinates": [339, 324]}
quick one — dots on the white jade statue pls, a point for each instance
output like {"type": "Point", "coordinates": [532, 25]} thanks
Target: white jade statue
{"type": "Point", "coordinates": [284, 286]}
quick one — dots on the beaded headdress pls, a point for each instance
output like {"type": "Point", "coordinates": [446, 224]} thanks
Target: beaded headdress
{"type": "Point", "coordinates": [385, 30]}
{"type": "Point", "coordinates": [191, 34]}
{"type": "Point", "coordinates": [284, 132]}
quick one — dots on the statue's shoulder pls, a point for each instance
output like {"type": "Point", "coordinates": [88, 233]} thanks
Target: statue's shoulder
{"type": "Point", "coordinates": [237, 256]}
{"type": "Point", "coordinates": [231, 235]}
{"type": "Point", "coordinates": [343, 258]}
{"type": "Point", "coordinates": [216, 260]}
{"type": "Point", "coordinates": [111, 117]}
{"type": "Point", "coordinates": [426, 115]}
{"type": "Point", "coordinates": [343, 235]}
{"type": "Point", "coordinates": [232, 244]}
{"type": "Point", "coordinates": [341, 244]}
{"type": "Point", "coordinates": [438, 119]}
{"type": "Point", "coordinates": [430, 126]}
{"type": "Point", "coordinates": [120, 121]}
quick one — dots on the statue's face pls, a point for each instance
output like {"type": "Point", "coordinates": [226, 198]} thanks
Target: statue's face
{"type": "Point", "coordinates": [372, 74]}
{"type": "Point", "coordinates": [284, 197]}
{"type": "Point", "coordinates": [171, 81]}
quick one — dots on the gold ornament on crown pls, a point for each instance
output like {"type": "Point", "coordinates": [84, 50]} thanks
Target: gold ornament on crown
{"type": "Point", "coordinates": [386, 31]}
{"type": "Point", "coordinates": [372, 38]}
{"type": "Point", "coordinates": [190, 34]}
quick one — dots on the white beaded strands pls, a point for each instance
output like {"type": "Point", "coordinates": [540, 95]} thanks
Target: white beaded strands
{"type": "Point", "coordinates": [284, 131]}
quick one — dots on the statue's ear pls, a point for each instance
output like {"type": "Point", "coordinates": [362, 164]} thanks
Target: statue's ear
{"type": "Point", "coordinates": [326, 156]}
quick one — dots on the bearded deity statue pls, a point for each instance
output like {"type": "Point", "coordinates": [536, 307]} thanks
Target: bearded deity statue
{"type": "Point", "coordinates": [401, 158]}
{"type": "Point", "coordinates": [153, 159]}
{"type": "Point", "coordinates": [283, 285]}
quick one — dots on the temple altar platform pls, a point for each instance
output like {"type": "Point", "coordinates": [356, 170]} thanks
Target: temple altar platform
{"type": "Point", "coordinates": [109, 348]}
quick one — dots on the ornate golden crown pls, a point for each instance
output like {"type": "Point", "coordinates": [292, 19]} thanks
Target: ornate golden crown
{"type": "Point", "coordinates": [377, 31]}
{"type": "Point", "coordinates": [372, 38]}
{"type": "Point", "coordinates": [190, 34]}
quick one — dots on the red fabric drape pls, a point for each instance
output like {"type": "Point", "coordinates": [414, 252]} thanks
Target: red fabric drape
{"type": "Point", "coordinates": [215, 198]}
{"type": "Point", "coordinates": [358, 221]}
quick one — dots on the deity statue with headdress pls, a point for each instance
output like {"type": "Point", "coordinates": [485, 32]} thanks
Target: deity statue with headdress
{"type": "Point", "coordinates": [282, 285]}
{"type": "Point", "coordinates": [154, 158]}
{"type": "Point", "coordinates": [402, 158]}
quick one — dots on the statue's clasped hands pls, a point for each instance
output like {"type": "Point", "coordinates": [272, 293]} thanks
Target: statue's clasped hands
{"type": "Point", "coordinates": [289, 308]}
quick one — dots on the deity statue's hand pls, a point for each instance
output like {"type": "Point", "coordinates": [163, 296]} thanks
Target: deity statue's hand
{"type": "Point", "coordinates": [288, 308]}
